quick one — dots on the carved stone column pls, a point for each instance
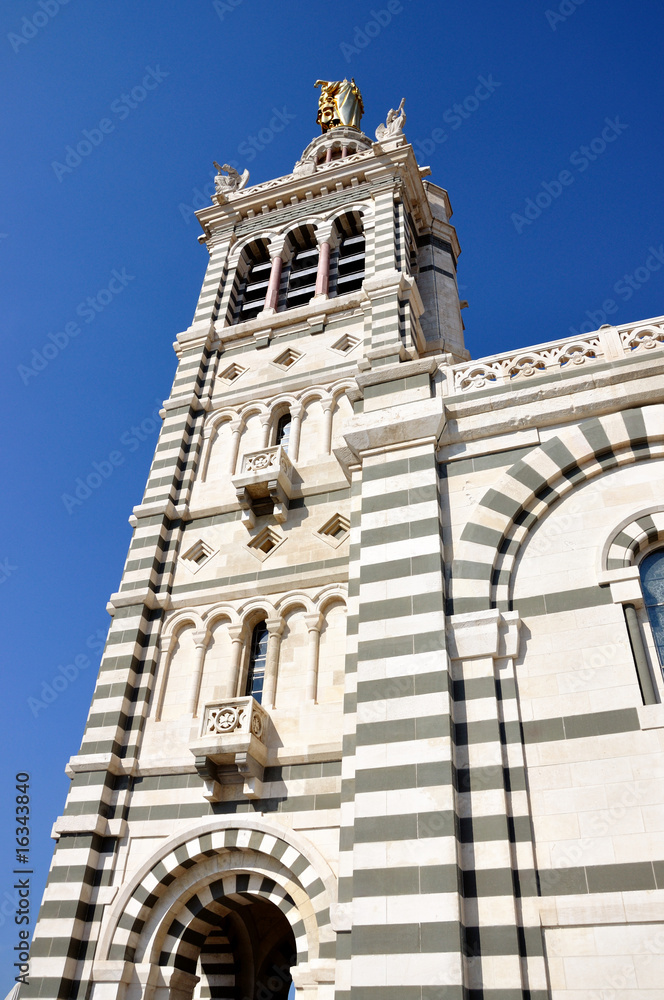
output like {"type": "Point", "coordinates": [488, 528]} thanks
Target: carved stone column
{"type": "Point", "coordinates": [313, 623]}
{"type": "Point", "coordinates": [296, 411]}
{"type": "Point", "coordinates": [328, 410]}
{"type": "Point", "coordinates": [323, 272]}
{"type": "Point", "coordinates": [237, 635]}
{"type": "Point", "coordinates": [275, 627]}
{"type": "Point", "coordinates": [237, 426]}
{"type": "Point", "coordinates": [265, 427]}
{"type": "Point", "coordinates": [201, 640]}
{"type": "Point", "coordinates": [278, 255]}
{"type": "Point", "coordinates": [326, 241]}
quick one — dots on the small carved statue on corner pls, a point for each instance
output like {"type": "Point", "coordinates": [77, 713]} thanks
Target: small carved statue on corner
{"type": "Point", "coordinates": [225, 186]}
{"type": "Point", "coordinates": [394, 123]}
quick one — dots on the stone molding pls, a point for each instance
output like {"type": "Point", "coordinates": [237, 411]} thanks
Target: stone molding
{"type": "Point", "coordinates": [485, 633]}
{"type": "Point", "coordinates": [395, 427]}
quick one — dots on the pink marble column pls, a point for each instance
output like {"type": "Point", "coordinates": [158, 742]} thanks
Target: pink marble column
{"type": "Point", "coordinates": [272, 294]}
{"type": "Point", "coordinates": [323, 272]}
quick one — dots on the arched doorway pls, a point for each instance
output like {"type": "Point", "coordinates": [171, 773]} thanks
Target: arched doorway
{"type": "Point", "coordinates": [228, 909]}
{"type": "Point", "coordinates": [239, 945]}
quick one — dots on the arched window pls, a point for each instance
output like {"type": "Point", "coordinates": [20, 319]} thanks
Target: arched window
{"type": "Point", "coordinates": [652, 584]}
{"type": "Point", "coordinates": [301, 271]}
{"type": "Point", "coordinates": [347, 261]}
{"type": "Point", "coordinates": [257, 660]}
{"type": "Point", "coordinates": [253, 275]}
{"type": "Point", "coordinates": [282, 434]}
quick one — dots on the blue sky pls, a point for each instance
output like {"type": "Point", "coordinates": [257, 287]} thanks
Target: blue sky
{"type": "Point", "coordinates": [543, 120]}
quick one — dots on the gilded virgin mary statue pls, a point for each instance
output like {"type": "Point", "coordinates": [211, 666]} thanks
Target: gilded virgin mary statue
{"type": "Point", "coordinates": [340, 103]}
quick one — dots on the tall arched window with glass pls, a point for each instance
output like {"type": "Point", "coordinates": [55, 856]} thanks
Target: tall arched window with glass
{"type": "Point", "coordinates": [652, 584]}
{"type": "Point", "coordinates": [257, 661]}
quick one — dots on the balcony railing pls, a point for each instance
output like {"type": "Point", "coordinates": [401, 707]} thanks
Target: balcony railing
{"type": "Point", "coordinates": [232, 746]}
{"type": "Point", "coordinates": [234, 716]}
{"type": "Point", "coordinates": [264, 483]}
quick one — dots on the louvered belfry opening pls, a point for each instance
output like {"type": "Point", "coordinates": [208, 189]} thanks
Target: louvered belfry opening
{"type": "Point", "coordinates": [298, 284]}
{"type": "Point", "coordinates": [252, 281]}
{"type": "Point", "coordinates": [347, 262]}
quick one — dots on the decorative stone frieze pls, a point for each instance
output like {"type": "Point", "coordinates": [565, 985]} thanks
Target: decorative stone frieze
{"type": "Point", "coordinates": [232, 746]}
{"type": "Point", "coordinates": [606, 344]}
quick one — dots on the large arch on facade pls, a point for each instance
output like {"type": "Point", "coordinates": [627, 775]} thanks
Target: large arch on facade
{"type": "Point", "coordinates": [493, 536]}
{"type": "Point", "coordinates": [174, 901]}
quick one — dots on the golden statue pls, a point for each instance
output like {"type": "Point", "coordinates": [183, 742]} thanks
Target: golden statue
{"type": "Point", "coordinates": [340, 103]}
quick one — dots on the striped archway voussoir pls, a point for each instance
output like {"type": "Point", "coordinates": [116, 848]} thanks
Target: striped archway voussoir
{"type": "Point", "coordinates": [624, 547]}
{"type": "Point", "coordinates": [199, 917]}
{"type": "Point", "coordinates": [306, 876]}
{"type": "Point", "coordinates": [503, 517]}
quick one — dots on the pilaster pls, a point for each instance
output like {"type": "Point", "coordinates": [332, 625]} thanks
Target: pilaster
{"type": "Point", "coordinates": [401, 876]}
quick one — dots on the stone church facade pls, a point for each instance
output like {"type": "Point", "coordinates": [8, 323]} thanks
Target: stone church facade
{"type": "Point", "coordinates": [380, 710]}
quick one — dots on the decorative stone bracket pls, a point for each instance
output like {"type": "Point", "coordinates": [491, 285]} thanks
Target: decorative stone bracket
{"type": "Point", "coordinates": [232, 747]}
{"type": "Point", "coordinates": [265, 475]}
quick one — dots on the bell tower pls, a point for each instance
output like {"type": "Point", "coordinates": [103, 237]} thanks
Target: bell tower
{"type": "Point", "coordinates": [264, 791]}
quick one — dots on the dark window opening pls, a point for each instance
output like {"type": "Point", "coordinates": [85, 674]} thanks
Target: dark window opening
{"type": "Point", "coordinates": [282, 435]}
{"type": "Point", "coordinates": [252, 282]}
{"type": "Point", "coordinates": [303, 268]}
{"type": "Point", "coordinates": [348, 259]}
{"type": "Point", "coordinates": [257, 661]}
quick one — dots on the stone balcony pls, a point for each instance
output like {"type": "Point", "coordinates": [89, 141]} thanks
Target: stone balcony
{"type": "Point", "coordinates": [232, 746]}
{"type": "Point", "coordinates": [264, 484]}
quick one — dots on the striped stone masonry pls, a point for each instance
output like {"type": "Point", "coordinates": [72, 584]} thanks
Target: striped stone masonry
{"type": "Point", "coordinates": [390, 728]}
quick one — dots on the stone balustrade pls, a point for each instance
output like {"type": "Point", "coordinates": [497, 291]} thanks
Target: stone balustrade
{"type": "Point", "coordinates": [606, 344]}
